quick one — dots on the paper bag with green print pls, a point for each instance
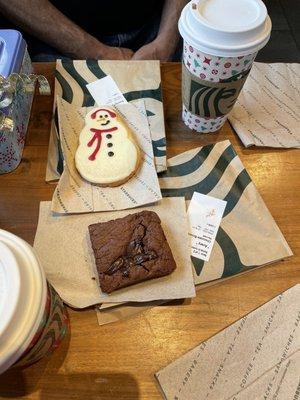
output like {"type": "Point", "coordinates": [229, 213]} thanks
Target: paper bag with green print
{"type": "Point", "coordinates": [136, 80]}
{"type": "Point", "coordinates": [248, 236]}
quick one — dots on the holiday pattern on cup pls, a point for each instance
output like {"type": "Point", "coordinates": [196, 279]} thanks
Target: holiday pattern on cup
{"type": "Point", "coordinates": [210, 99]}
{"type": "Point", "coordinates": [200, 124]}
{"type": "Point", "coordinates": [52, 329]}
{"type": "Point", "coordinates": [212, 69]}
{"type": "Point", "coordinates": [12, 143]}
{"type": "Point", "coordinates": [107, 154]}
{"type": "Point", "coordinates": [215, 68]}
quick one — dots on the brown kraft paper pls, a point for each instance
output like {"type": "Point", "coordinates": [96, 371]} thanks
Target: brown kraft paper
{"type": "Point", "coordinates": [210, 99]}
{"type": "Point", "coordinates": [256, 358]}
{"type": "Point", "coordinates": [70, 264]}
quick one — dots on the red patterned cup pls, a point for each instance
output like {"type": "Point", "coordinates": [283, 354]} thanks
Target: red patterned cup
{"type": "Point", "coordinates": [213, 75]}
{"type": "Point", "coordinates": [33, 319]}
{"type": "Point", "coordinates": [221, 40]}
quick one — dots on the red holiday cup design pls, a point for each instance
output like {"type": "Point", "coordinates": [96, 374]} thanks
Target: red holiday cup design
{"type": "Point", "coordinates": [213, 69]}
{"type": "Point", "coordinates": [52, 329]}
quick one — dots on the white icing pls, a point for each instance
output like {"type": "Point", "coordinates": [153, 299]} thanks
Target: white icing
{"type": "Point", "coordinates": [105, 169]}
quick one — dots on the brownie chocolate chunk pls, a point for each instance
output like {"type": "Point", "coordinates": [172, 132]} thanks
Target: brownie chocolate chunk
{"type": "Point", "coordinates": [130, 250]}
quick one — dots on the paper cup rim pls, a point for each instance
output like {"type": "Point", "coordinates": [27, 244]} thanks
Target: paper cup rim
{"type": "Point", "coordinates": [11, 293]}
{"type": "Point", "coordinates": [223, 50]}
{"type": "Point", "coordinates": [30, 299]}
{"type": "Point", "coordinates": [247, 28]}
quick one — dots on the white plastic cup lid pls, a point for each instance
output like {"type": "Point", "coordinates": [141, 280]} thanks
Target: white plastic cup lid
{"type": "Point", "coordinates": [23, 291]}
{"type": "Point", "coordinates": [225, 28]}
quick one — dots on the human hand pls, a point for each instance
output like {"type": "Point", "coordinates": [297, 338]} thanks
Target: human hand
{"type": "Point", "coordinates": [116, 53]}
{"type": "Point", "coordinates": [156, 50]}
{"type": "Point", "coordinates": [99, 51]}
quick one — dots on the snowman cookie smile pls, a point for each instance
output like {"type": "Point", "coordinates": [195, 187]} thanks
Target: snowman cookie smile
{"type": "Point", "coordinates": [107, 153]}
{"type": "Point", "coordinates": [105, 123]}
{"type": "Point", "coordinates": [103, 119]}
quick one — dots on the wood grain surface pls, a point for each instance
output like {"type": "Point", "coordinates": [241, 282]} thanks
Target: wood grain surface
{"type": "Point", "coordinates": [117, 361]}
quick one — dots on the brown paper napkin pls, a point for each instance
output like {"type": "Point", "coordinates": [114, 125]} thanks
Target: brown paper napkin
{"type": "Point", "coordinates": [75, 195]}
{"type": "Point", "coordinates": [258, 357]}
{"type": "Point", "coordinates": [62, 244]}
{"type": "Point", "coordinates": [267, 112]}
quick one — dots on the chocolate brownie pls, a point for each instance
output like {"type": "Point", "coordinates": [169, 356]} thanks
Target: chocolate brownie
{"type": "Point", "coordinates": [130, 250]}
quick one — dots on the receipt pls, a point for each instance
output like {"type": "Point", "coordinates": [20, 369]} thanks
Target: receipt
{"type": "Point", "coordinates": [204, 217]}
{"type": "Point", "coordinates": [105, 91]}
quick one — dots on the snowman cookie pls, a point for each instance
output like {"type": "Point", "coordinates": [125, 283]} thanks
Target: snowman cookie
{"type": "Point", "coordinates": [107, 153]}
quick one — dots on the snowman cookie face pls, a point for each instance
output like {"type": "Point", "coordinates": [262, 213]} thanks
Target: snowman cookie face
{"type": "Point", "coordinates": [107, 153]}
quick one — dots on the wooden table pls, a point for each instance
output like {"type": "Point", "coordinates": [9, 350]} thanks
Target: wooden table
{"type": "Point", "coordinates": [117, 361]}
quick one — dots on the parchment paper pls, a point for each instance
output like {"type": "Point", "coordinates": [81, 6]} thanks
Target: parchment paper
{"type": "Point", "coordinates": [62, 244]}
{"type": "Point", "coordinates": [136, 80]}
{"type": "Point", "coordinates": [75, 195]}
{"type": "Point", "coordinates": [258, 357]}
{"type": "Point", "coordinates": [267, 112]}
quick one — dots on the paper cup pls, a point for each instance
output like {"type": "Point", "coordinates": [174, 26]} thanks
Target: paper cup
{"type": "Point", "coordinates": [33, 319]}
{"type": "Point", "coordinates": [210, 77]}
{"type": "Point", "coordinates": [221, 40]}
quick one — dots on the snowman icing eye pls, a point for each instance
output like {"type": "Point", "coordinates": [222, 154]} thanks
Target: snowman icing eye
{"type": "Point", "coordinates": [106, 116]}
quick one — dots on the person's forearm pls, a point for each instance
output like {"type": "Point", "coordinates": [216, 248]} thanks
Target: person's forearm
{"type": "Point", "coordinates": [164, 45]}
{"type": "Point", "coordinates": [42, 20]}
{"type": "Point", "coordinates": [168, 30]}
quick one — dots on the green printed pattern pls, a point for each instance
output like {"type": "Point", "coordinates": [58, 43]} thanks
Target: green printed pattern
{"type": "Point", "coordinates": [219, 169]}
{"type": "Point", "coordinates": [78, 83]}
{"type": "Point", "coordinates": [205, 100]}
